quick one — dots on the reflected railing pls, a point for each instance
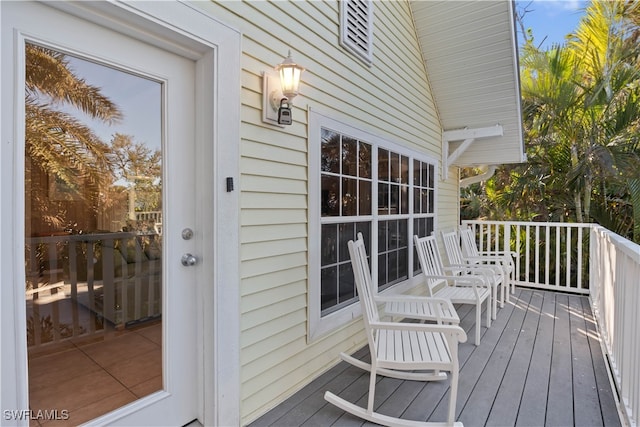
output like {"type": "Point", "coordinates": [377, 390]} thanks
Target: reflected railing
{"type": "Point", "coordinates": [83, 284]}
{"type": "Point", "coordinates": [585, 259]}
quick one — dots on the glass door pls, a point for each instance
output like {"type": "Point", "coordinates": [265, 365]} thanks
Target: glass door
{"type": "Point", "coordinates": [109, 149]}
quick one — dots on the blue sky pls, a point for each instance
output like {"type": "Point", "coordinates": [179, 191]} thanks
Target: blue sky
{"type": "Point", "coordinates": [552, 19]}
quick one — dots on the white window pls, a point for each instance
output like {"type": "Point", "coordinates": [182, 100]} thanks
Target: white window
{"type": "Point", "coordinates": [356, 28]}
{"type": "Point", "coordinates": [361, 183]}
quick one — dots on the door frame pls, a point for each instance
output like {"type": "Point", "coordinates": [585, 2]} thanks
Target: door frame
{"type": "Point", "coordinates": [189, 31]}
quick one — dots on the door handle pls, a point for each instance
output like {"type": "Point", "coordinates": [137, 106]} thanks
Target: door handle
{"type": "Point", "coordinates": [189, 260]}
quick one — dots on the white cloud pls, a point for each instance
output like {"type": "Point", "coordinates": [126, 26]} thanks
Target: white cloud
{"type": "Point", "coordinates": [554, 7]}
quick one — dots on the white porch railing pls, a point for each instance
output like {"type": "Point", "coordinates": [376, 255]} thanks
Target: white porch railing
{"type": "Point", "coordinates": [615, 297]}
{"type": "Point", "coordinates": [586, 259]}
{"type": "Point", "coordinates": [551, 255]}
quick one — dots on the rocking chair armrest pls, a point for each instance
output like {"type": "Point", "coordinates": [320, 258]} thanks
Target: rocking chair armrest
{"type": "Point", "coordinates": [489, 258]}
{"type": "Point", "coordinates": [447, 277]}
{"type": "Point", "coordinates": [486, 269]}
{"type": "Point", "coordinates": [454, 330]}
{"type": "Point", "coordinates": [467, 280]}
{"type": "Point", "coordinates": [456, 269]}
{"type": "Point", "coordinates": [512, 254]}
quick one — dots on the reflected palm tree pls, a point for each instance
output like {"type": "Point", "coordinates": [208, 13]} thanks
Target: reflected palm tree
{"type": "Point", "coordinates": [60, 149]}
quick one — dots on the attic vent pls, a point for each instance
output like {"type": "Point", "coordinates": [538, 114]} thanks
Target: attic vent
{"type": "Point", "coordinates": [356, 29]}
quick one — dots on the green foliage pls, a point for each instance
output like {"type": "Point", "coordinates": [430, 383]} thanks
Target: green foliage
{"type": "Point", "coordinates": [581, 115]}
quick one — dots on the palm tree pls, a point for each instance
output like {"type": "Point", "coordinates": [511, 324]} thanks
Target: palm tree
{"type": "Point", "coordinates": [57, 143]}
{"type": "Point", "coordinates": [581, 114]}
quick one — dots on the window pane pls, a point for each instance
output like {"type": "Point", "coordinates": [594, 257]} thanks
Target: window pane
{"type": "Point", "coordinates": [93, 192]}
{"type": "Point", "coordinates": [392, 269]}
{"type": "Point", "coordinates": [431, 176]}
{"type": "Point", "coordinates": [345, 233]}
{"type": "Point", "coordinates": [382, 270]}
{"type": "Point", "coordinates": [382, 236]}
{"type": "Point", "coordinates": [404, 170]}
{"type": "Point", "coordinates": [330, 156]}
{"type": "Point", "coordinates": [328, 287]}
{"type": "Point", "coordinates": [364, 197]}
{"type": "Point", "coordinates": [365, 229]}
{"type": "Point", "coordinates": [395, 167]}
{"type": "Point", "coordinates": [416, 172]}
{"type": "Point", "coordinates": [349, 156]}
{"type": "Point", "coordinates": [329, 245]}
{"type": "Point", "coordinates": [392, 229]}
{"type": "Point", "coordinates": [330, 196]}
{"type": "Point", "coordinates": [383, 199]}
{"type": "Point", "coordinates": [403, 264]}
{"type": "Point", "coordinates": [402, 233]}
{"type": "Point", "coordinates": [346, 284]}
{"type": "Point", "coordinates": [404, 200]}
{"type": "Point", "coordinates": [383, 165]}
{"type": "Point", "coordinates": [425, 174]}
{"type": "Point", "coordinates": [431, 208]}
{"type": "Point", "coordinates": [365, 160]}
{"type": "Point", "coordinates": [425, 201]}
{"type": "Point", "coordinates": [349, 197]}
{"type": "Point", "coordinates": [395, 200]}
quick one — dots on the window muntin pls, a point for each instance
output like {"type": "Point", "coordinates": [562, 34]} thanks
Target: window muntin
{"type": "Point", "coordinates": [352, 171]}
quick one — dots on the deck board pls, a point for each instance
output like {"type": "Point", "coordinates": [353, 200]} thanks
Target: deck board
{"type": "Point", "coordinates": [559, 400]}
{"type": "Point", "coordinates": [540, 363]}
{"type": "Point", "coordinates": [507, 401]}
{"type": "Point", "coordinates": [533, 405]}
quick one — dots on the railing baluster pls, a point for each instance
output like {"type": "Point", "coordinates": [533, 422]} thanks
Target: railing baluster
{"type": "Point", "coordinates": [536, 247]}
{"type": "Point", "coordinates": [518, 275]}
{"type": "Point", "coordinates": [579, 261]}
{"type": "Point", "coordinates": [558, 256]}
{"type": "Point", "coordinates": [138, 281]}
{"type": "Point", "coordinates": [568, 264]}
{"type": "Point", "coordinates": [527, 254]}
{"type": "Point", "coordinates": [547, 237]}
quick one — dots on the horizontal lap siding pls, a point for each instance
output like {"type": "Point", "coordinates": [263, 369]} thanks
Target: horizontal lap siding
{"type": "Point", "coordinates": [391, 99]}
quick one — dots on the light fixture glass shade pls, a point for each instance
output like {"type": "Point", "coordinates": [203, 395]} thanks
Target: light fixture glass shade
{"type": "Point", "coordinates": [290, 74]}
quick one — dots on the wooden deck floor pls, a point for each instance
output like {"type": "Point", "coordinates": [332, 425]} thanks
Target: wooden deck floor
{"type": "Point", "coordinates": [540, 364]}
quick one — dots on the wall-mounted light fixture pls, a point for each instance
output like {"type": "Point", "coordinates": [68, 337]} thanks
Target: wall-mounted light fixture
{"type": "Point", "coordinates": [278, 91]}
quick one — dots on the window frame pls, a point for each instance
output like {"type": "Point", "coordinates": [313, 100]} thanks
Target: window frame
{"type": "Point", "coordinates": [319, 325]}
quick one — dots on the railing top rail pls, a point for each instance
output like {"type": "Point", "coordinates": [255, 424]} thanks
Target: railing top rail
{"type": "Point", "coordinates": [89, 237]}
{"type": "Point", "coordinates": [531, 223]}
{"type": "Point", "coordinates": [627, 246]}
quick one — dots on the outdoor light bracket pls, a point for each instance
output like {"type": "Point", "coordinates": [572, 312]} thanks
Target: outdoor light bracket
{"type": "Point", "coordinates": [271, 96]}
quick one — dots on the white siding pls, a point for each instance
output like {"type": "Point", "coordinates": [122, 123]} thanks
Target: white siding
{"type": "Point", "coordinates": [390, 98]}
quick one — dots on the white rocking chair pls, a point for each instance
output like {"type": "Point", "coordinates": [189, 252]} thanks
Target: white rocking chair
{"type": "Point", "coordinates": [503, 258]}
{"type": "Point", "coordinates": [460, 289]}
{"type": "Point", "coordinates": [397, 349]}
{"type": "Point", "coordinates": [458, 263]}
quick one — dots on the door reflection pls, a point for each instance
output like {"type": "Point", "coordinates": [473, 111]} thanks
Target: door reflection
{"type": "Point", "coordinates": [93, 233]}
